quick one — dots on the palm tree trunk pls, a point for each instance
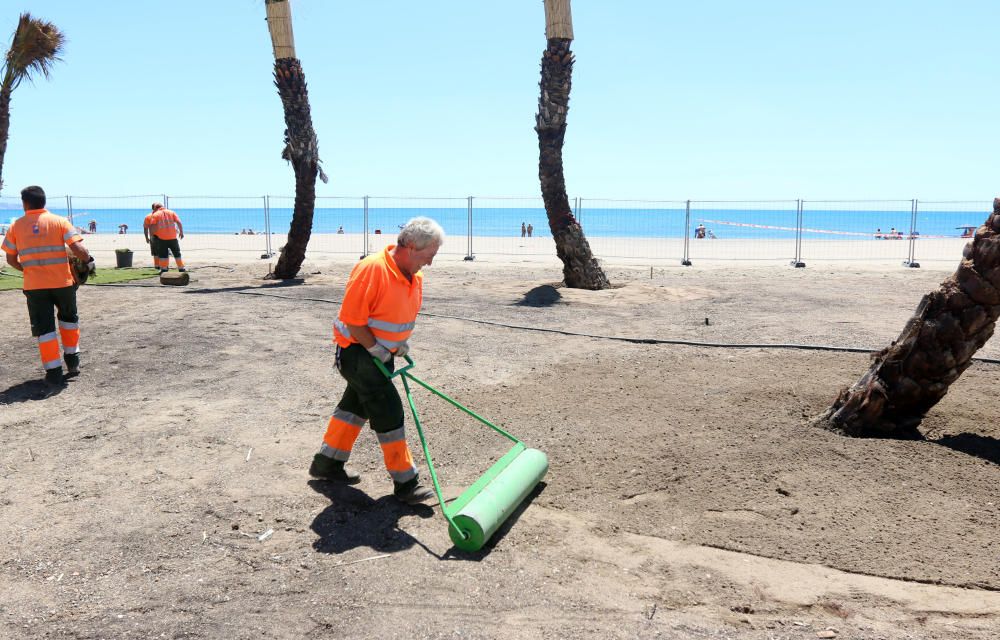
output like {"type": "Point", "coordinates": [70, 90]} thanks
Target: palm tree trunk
{"type": "Point", "coordinates": [301, 143]}
{"type": "Point", "coordinates": [302, 150]}
{"type": "Point", "coordinates": [5, 94]}
{"type": "Point", "coordinates": [580, 268]}
{"type": "Point", "coordinates": [910, 376]}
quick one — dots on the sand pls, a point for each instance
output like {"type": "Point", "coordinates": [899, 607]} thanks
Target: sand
{"type": "Point", "coordinates": [687, 495]}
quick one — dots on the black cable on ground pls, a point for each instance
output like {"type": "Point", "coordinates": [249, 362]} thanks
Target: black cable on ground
{"type": "Point", "coordinates": [686, 343]}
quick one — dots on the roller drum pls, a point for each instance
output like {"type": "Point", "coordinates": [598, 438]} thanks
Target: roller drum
{"type": "Point", "coordinates": [480, 518]}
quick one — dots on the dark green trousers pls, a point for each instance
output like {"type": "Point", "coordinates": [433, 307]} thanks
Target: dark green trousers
{"type": "Point", "coordinates": [41, 303]}
{"type": "Point", "coordinates": [163, 246]}
{"type": "Point", "coordinates": [369, 393]}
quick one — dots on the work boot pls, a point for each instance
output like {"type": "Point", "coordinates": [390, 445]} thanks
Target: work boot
{"type": "Point", "coordinates": [54, 377]}
{"type": "Point", "coordinates": [412, 492]}
{"type": "Point", "coordinates": [333, 470]}
{"type": "Point", "coordinates": [72, 364]}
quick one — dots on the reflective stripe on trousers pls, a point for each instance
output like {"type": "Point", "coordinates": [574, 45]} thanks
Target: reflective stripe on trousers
{"type": "Point", "coordinates": [48, 349]}
{"type": "Point", "coordinates": [396, 454]}
{"type": "Point", "coordinates": [70, 334]}
{"type": "Point", "coordinates": [341, 433]}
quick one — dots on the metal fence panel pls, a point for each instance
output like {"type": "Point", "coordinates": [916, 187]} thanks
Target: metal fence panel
{"type": "Point", "coordinates": [338, 225]}
{"type": "Point", "coordinates": [858, 230]}
{"type": "Point", "coordinates": [743, 230]}
{"type": "Point", "coordinates": [386, 216]}
{"type": "Point", "coordinates": [945, 227]}
{"type": "Point", "coordinates": [207, 219]}
{"type": "Point", "coordinates": [633, 228]}
{"type": "Point", "coordinates": [497, 224]}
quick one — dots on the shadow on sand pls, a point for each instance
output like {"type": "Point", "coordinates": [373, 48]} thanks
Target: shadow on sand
{"type": "Point", "coordinates": [28, 391]}
{"type": "Point", "coordinates": [984, 447]}
{"type": "Point", "coordinates": [355, 519]}
{"type": "Point", "coordinates": [544, 295]}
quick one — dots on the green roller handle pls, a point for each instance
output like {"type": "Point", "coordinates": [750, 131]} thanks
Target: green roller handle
{"type": "Point", "coordinates": [484, 506]}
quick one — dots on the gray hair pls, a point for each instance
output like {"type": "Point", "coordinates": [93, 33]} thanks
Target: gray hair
{"type": "Point", "coordinates": [419, 233]}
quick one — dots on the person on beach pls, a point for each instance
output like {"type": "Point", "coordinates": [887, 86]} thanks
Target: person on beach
{"type": "Point", "coordinates": [530, 229]}
{"type": "Point", "coordinates": [699, 231]}
{"type": "Point", "coordinates": [383, 295]}
{"type": "Point", "coordinates": [93, 226]}
{"type": "Point", "coordinates": [36, 245]}
{"type": "Point", "coordinates": [523, 230]}
{"type": "Point", "coordinates": [166, 226]}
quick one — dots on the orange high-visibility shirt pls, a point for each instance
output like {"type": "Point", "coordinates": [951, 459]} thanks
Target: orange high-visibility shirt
{"type": "Point", "coordinates": [147, 222]}
{"type": "Point", "coordinates": [39, 240]}
{"type": "Point", "coordinates": [380, 297]}
{"type": "Point", "coordinates": [164, 224]}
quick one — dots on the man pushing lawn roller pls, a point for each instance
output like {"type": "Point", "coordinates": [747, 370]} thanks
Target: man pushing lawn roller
{"type": "Point", "coordinates": [381, 301]}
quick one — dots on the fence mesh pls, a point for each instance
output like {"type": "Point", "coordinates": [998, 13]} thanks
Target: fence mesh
{"type": "Point", "coordinates": [733, 230]}
{"type": "Point", "coordinates": [903, 232]}
{"type": "Point", "coordinates": [944, 227]}
{"type": "Point", "coordinates": [857, 230]}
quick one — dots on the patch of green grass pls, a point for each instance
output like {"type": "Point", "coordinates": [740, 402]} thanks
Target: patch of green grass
{"type": "Point", "coordinates": [111, 276]}
{"type": "Point", "coordinates": [11, 279]}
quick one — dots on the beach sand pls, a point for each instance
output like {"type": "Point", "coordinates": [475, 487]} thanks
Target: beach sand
{"type": "Point", "coordinates": [164, 492]}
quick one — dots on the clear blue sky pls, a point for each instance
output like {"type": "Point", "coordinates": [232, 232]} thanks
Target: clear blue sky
{"type": "Point", "coordinates": [709, 100]}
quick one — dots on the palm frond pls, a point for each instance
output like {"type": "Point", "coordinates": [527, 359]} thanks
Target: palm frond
{"type": "Point", "coordinates": [34, 49]}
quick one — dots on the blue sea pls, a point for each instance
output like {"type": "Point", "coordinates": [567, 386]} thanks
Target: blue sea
{"type": "Point", "coordinates": [596, 222]}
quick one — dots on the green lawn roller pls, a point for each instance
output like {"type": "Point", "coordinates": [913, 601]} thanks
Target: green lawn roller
{"type": "Point", "coordinates": [477, 514]}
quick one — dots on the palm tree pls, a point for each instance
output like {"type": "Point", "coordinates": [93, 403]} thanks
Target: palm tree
{"type": "Point", "coordinates": [580, 269]}
{"type": "Point", "coordinates": [911, 375]}
{"type": "Point", "coordinates": [35, 48]}
{"type": "Point", "coordinates": [301, 143]}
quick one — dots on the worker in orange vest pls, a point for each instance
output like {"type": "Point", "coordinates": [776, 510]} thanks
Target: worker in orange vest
{"type": "Point", "coordinates": [166, 225]}
{"type": "Point", "coordinates": [36, 245]}
{"type": "Point", "coordinates": [381, 301]}
{"type": "Point", "coordinates": [151, 239]}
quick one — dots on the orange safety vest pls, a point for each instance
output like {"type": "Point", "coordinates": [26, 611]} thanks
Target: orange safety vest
{"type": "Point", "coordinates": [39, 240]}
{"type": "Point", "coordinates": [380, 297]}
{"type": "Point", "coordinates": [164, 224]}
{"type": "Point", "coordinates": [147, 222]}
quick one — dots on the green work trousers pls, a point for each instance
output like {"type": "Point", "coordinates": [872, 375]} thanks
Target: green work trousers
{"type": "Point", "coordinates": [369, 393]}
{"type": "Point", "coordinates": [41, 303]}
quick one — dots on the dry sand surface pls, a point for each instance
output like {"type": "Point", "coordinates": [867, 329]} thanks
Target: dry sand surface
{"type": "Point", "coordinates": [687, 496]}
